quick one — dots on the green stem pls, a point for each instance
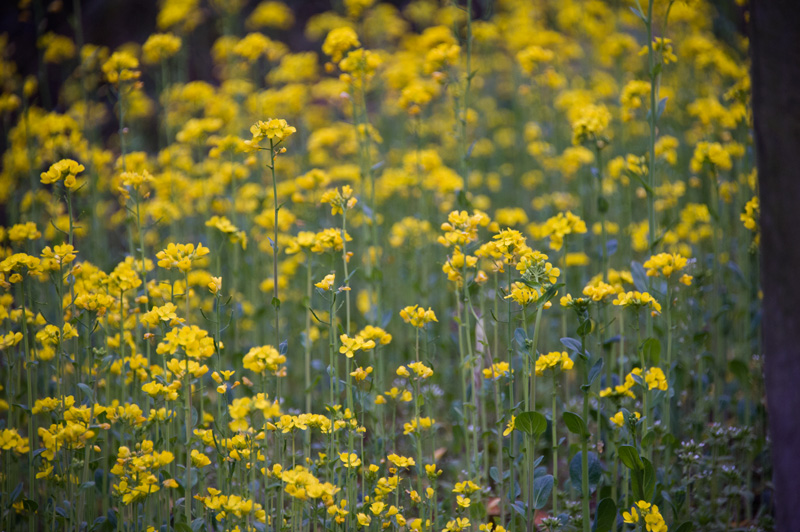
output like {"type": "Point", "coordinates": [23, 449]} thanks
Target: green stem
{"type": "Point", "coordinates": [585, 448]}
{"type": "Point", "coordinates": [29, 386]}
{"type": "Point", "coordinates": [555, 446]}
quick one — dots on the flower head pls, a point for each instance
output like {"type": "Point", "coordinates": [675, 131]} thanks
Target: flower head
{"type": "Point", "coordinates": [65, 169]}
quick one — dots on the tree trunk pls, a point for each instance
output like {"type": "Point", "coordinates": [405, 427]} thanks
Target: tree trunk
{"type": "Point", "coordinates": [775, 49]}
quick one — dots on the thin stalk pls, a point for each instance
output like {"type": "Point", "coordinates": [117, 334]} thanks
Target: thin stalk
{"type": "Point", "coordinates": [276, 302]}
{"type": "Point", "coordinates": [585, 447]}
{"type": "Point", "coordinates": [28, 361]}
{"type": "Point", "coordinates": [555, 446]}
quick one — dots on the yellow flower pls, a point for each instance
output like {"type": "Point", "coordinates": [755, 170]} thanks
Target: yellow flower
{"type": "Point", "coordinates": [371, 332]}
{"type": "Point", "coordinates": [401, 461]}
{"type": "Point", "coordinates": [654, 521]}
{"type": "Point", "coordinates": [655, 378]}
{"type": "Point", "coordinates": [457, 525]}
{"type": "Point", "coordinates": [199, 459]}
{"type": "Point", "coordinates": [62, 254]}
{"type": "Point", "coordinates": [351, 345]}
{"type": "Point", "coordinates": [619, 418]}
{"type": "Point", "coordinates": [665, 264]}
{"type": "Point", "coordinates": [339, 41]}
{"type": "Point", "coordinates": [510, 426]}
{"type": "Point", "coordinates": [276, 130]}
{"type": "Point", "coordinates": [360, 373]}
{"type": "Point", "coordinates": [339, 200]}
{"type": "Point", "coordinates": [663, 46]}
{"type": "Point", "coordinates": [712, 154]}
{"type": "Point", "coordinates": [181, 256]}
{"type": "Point", "coordinates": [327, 282]}
{"type": "Point", "coordinates": [638, 300]}
{"type": "Point", "coordinates": [418, 316]}
{"type": "Point", "coordinates": [552, 361]}
{"type": "Point", "coordinates": [65, 169]}
{"type": "Point", "coordinates": [498, 369]}
{"type": "Point", "coordinates": [160, 46]}
{"type": "Point", "coordinates": [215, 285]}
{"type": "Point", "coordinates": [225, 225]}
{"type": "Point", "coordinates": [590, 124]}
{"type": "Point", "coordinates": [264, 358]}
{"type": "Point", "coordinates": [121, 66]}
{"type": "Point", "coordinates": [350, 459]}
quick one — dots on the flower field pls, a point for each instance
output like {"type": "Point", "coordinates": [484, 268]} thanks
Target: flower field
{"type": "Point", "coordinates": [445, 266]}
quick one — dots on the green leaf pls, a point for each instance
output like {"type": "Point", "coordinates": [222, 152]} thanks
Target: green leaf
{"type": "Point", "coordinates": [605, 517]}
{"type": "Point", "coordinates": [595, 470]}
{"type": "Point", "coordinates": [638, 13]}
{"type": "Point", "coordinates": [519, 507]}
{"type": "Point", "coordinates": [198, 524]}
{"type": "Point", "coordinates": [630, 457]}
{"type": "Point", "coordinates": [585, 328]}
{"type": "Point", "coordinates": [649, 484]}
{"type": "Point", "coordinates": [520, 337]}
{"type": "Point", "coordinates": [637, 483]}
{"type": "Point", "coordinates": [687, 526]}
{"type": "Point", "coordinates": [740, 371]}
{"type": "Point", "coordinates": [595, 371]}
{"type": "Point", "coordinates": [542, 487]}
{"type": "Point", "coordinates": [276, 303]}
{"type": "Point", "coordinates": [14, 495]}
{"type": "Point", "coordinates": [640, 280]}
{"type": "Point", "coordinates": [575, 424]}
{"type": "Point", "coordinates": [87, 391]}
{"type": "Point", "coordinates": [182, 527]}
{"type": "Point", "coordinates": [656, 70]}
{"type": "Point", "coordinates": [662, 104]}
{"type": "Point", "coordinates": [531, 423]}
{"type": "Point", "coordinates": [572, 344]}
{"type": "Point", "coordinates": [647, 439]}
{"type": "Point", "coordinates": [651, 348]}
{"type": "Point", "coordinates": [602, 205]}
{"type": "Point", "coordinates": [549, 294]}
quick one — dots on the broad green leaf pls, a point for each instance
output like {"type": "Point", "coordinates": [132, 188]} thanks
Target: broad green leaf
{"type": "Point", "coordinates": [531, 423]}
{"type": "Point", "coordinates": [606, 516]}
{"type": "Point", "coordinates": [575, 424]}
{"type": "Point", "coordinates": [630, 457]}
{"type": "Point", "coordinates": [651, 348]}
{"type": "Point", "coordinates": [595, 470]}
{"type": "Point", "coordinates": [542, 487]}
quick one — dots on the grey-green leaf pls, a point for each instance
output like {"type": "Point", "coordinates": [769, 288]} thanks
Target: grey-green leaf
{"type": "Point", "coordinates": [542, 487]}
{"type": "Point", "coordinates": [531, 423]}
{"type": "Point", "coordinates": [575, 424]}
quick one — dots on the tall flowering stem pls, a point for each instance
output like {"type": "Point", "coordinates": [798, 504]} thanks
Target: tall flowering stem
{"type": "Point", "coordinates": [276, 130]}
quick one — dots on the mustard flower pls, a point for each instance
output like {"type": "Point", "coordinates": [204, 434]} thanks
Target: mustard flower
{"type": "Point", "coordinates": [638, 300]}
{"type": "Point", "coordinates": [273, 129]}
{"type": "Point", "coordinates": [160, 46]}
{"type": "Point", "coordinates": [327, 282]}
{"type": "Point", "coordinates": [339, 41]}
{"type": "Point", "coordinates": [181, 256]}
{"type": "Point", "coordinates": [351, 345]}
{"type": "Point", "coordinates": [417, 316]}
{"type": "Point", "coordinates": [665, 264]}
{"type": "Point", "coordinates": [552, 361]}
{"type": "Point", "coordinates": [340, 200]}
{"type": "Point", "coordinates": [65, 169]}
